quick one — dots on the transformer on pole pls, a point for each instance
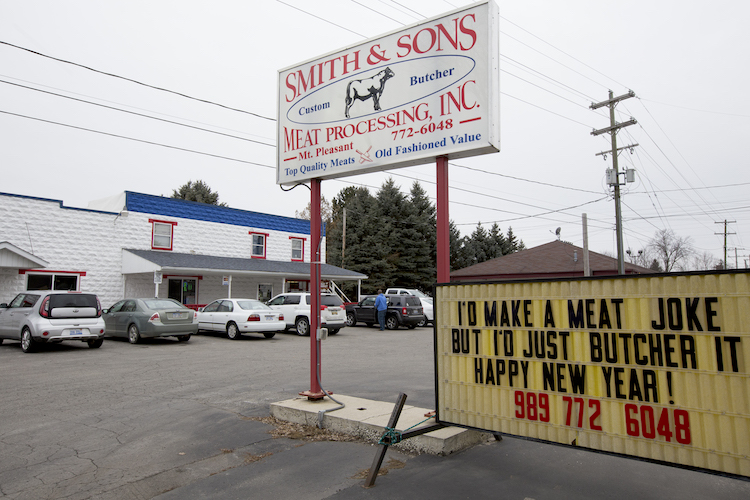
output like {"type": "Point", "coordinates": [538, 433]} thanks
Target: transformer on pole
{"type": "Point", "coordinates": [613, 176]}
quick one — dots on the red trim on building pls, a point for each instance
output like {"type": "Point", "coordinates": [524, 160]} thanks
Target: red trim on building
{"type": "Point", "coordinates": [303, 248]}
{"type": "Point", "coordinates": [265, 245]}
{"type": "Point", "coordinates": [163, 221]}
{"type": "Point", "coordinates": [153, 223]}
{"type": "Point", "coordinates": [47, 271]}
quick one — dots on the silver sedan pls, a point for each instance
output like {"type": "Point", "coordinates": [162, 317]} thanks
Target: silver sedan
{"type": "Point", "coordinates": [141, 318]}
{"type": "Point", "coordinates": [238, 316]}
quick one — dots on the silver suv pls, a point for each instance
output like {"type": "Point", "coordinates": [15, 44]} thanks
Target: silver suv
{"type": "Point", "coordinates": [38, 317]}
{"type": "Point", "coordinates": [296, 309]}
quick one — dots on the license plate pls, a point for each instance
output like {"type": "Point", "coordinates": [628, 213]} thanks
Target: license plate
{"type": "Point", "coordinates": [75, 332]}
{"type": "Point", "coordinates": [177, 315]}
{"type": "Point", "coordinates": [270, 318]}
{"type": "Point", "coordinates": [334, 313]}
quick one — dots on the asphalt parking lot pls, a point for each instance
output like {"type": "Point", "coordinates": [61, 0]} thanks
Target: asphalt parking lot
{"type": "Point", "coordinates": [180, 420]}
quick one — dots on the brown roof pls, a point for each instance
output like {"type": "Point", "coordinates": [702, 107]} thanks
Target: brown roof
{"type": "Point", "coordinates": [556, 259]}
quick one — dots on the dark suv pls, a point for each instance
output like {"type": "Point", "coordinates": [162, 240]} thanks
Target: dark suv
{"type": "Point", "coordinates": [403, 310]}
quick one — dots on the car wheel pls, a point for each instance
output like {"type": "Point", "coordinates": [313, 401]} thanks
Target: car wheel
{"type": "Point", "coordinates": [391, 322]}
{"type": "Point", "coordinates": [411, 327]}
{"type": "Point", "coordinates": [232, 331]}
{"type": "Point", "coordinates": [333, 331]}
{"type": "Point", "coordinates": [183, 338]}
{"type": "Point", "coordinates": [351, 319]}
{"type": "Point", "coordinates": [134, 336]}
{"type": "Point", "coordinates": [422, 322]}
{"type": "Point", "coordinates": [269, 335]}
{"type": "Point", "coordinates": [28, 344]}
{"type": "Point", "coordinates": [303, 326]}
{"type": "Point", "coordinates": [95, 344]}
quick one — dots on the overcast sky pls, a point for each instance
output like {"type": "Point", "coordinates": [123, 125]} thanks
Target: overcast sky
{"type": "Point", "coordinates": [687, 63]}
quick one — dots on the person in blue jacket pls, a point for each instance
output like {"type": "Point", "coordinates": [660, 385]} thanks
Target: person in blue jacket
{"type": "Point", "coordinates": [381, 305]}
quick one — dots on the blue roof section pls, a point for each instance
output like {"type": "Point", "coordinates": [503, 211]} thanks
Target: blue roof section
{"type": "Point", "coordinates": [173, 207]}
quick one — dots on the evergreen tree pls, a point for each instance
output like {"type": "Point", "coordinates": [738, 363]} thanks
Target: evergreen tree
{"type": "Point", "coordinates": [512, 244]}
{"type": "Point", "coordinates": [478, 245]}
{"type": "Point", "coordinates": [459, 254]}
{"type": "Point", "coordinates": [360, 220]}
{"type": "Point", "coordinates": [421, 226]}
{"type": "Point", "coordinates": [198, 191]}
{"type": "Point", "coordinates": [497, 241]}
{"type": "Point", "coordinates": [392, 238]}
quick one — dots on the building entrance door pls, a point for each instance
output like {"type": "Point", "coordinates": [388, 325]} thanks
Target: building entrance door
{"type": "Point", "coordinates": [184, 291]}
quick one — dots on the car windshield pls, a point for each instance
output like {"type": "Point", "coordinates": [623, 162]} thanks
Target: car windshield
{"type": "Point", "coordinates": [162, 304]}
{"type": "Point", "coordinates": [419, 294]}
{"type": "Point", "coordinates": [251, 304]}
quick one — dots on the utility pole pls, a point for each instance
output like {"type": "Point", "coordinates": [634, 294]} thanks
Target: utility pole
{"type": "Point", "coordinates": [725, 238]}
{"type": "Point", "coordinates": [614, 179]}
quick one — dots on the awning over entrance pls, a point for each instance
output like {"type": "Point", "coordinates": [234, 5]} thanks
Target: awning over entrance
{"type": "Point", "coordinates": [147, 261]}
{"type": "Point", "coordinates": [13, 257]}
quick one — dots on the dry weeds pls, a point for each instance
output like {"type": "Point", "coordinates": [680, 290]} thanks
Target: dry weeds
{"type": "Point", "coordinates": [290, 430]}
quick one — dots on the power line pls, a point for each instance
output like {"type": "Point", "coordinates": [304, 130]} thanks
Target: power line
{"type": "Point", "coordinates": [552, 59]}
{"type": "Point", "coordinates": [69, 92]}
{"type": "Point", "coordinates": [137, 114]}
{"type": "Point", "coordinates": [696, 109]}
{"type": "Point", "coordinates": [542, 88]}
{"type": "Point", "coordinates": [533, 215]}
{"type": "Point", "coordinates": [322, 19]}
{"type": "Point", "coordinates": [523, 180]}
{"type": "Point", "coordinates": [377, 12]}
{"type": "Point", "coordinates": [562, 51]}
{"type": "Point", "coordinates": [545, 109]}
{"type": "Point", "coordinates": [136, 140]}
{"type": "Point", "coordinates": [136, 81]}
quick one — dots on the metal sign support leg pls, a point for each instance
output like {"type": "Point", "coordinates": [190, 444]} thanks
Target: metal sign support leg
{"type": "Point", "coordinates": [386, 441]}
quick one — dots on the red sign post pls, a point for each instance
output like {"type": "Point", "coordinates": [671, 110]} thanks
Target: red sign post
{"type": "Point", "coordinates": [423, 93]}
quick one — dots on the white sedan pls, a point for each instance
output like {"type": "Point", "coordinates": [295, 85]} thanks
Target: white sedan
{"type": "Point", "coordinates": [238, 316]}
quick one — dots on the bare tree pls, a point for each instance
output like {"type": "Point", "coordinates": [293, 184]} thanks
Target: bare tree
{"type": "Point", "coordinates": [704, 261]}
{"type": "Point", "coordinates": [670, 250]}
{"type": "Point", "coordinates": [326, 211]}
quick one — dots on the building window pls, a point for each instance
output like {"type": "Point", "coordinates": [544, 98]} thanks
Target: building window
{"type": "Point", "coordinates": [258, 245]}
{"type": "Point", "coordinates": [298, 248]}
{"type": "Point", "coordinates": [53, 281]}
{"type": "Point", "coordinates": [162, 234]}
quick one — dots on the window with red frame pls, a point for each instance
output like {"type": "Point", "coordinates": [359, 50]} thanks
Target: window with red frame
{"type": "Point", "coordinates": [162, 234]}
{"type": "Point", "coordinates": [258, 245]}
{"type": "Point", "coordinates": [53, 281]}
{"type": "Point", "coordinates": [298, 248]}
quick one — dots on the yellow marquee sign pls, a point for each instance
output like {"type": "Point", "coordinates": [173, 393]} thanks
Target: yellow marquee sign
{"type": "Point", "coordinates": [654, 367]}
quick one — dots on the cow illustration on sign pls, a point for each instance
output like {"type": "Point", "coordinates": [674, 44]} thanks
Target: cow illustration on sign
{"type": "Point", "coordinates": [367, 88]}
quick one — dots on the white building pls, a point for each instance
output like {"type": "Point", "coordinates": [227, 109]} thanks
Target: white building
{"type": "Point", "coordinates": [139, 245]}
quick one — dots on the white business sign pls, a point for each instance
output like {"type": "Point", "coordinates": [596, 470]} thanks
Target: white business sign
{"type": "Point", "coordinates": [400, 99]}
